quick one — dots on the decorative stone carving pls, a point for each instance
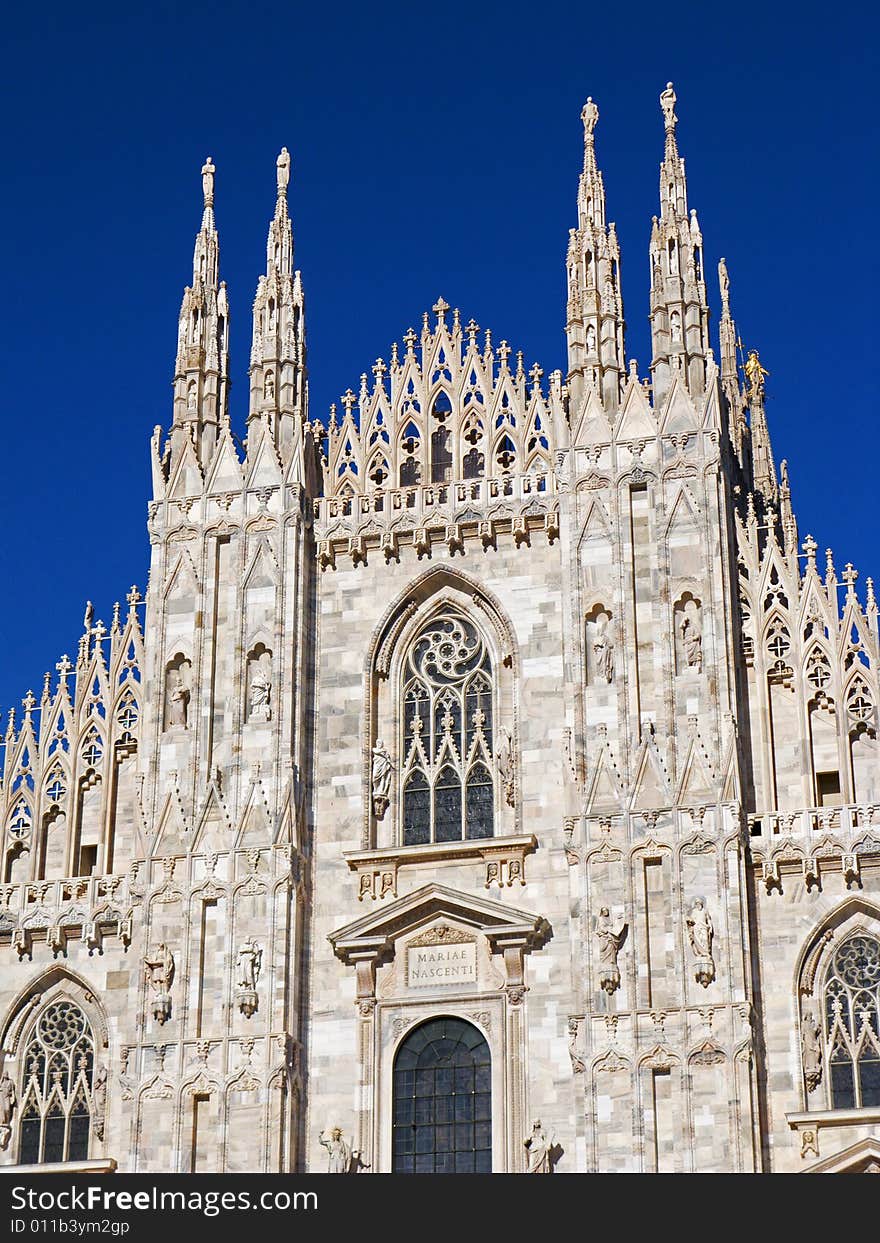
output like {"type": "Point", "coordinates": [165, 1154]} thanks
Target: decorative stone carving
{"type": "Point", "coordinates": [701, 933]}
{"type": "Point", "coordinates": [259, 694]}
{"type": "Point", "coordinates": [159, 966]}
{"type": "Point", "coordinates": [603, 648]}
{"type": "Point", "coordinates": [99, 1100]}
{"type": "Point", "coordinates": [578, 1065]}
{"type": "Point", "coordinates": [8, 1102]}
{"type": "Point", "coordinates": [610, 940]}
{"type": "Point", "coordinates": [811, 1048]}
{"type": "Point", "coordinates": [504, 761]}
{"type": "Point", "coordinates": [809, 1143]}
{"type": "Point", "coordinates": [381, 772]}
{"type": "Point", "coordinates": [247, 973]}
{"type": "Point", "coordinates": [338, 1151]}
{"type": "Point", "coordinates": [541, 1155]}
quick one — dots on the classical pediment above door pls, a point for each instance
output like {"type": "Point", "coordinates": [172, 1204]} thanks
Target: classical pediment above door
{"type": "Point", "coordinates": [445, 918]}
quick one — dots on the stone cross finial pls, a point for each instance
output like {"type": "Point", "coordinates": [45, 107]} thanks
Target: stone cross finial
{"type": "Point", "coordinates": [503, 352]}
{"type": "Point", "coordinates": [208, 171]}
{"type": "Point", "coordinates": [114, 626]}
{"type": "Point", "coordinates": [282, 171]}
{"type": "Point", "coordinates": [535, 374]}
{"type": "Point", "coordinates": [472, 328]}
{"type": "Point", "coordinates": [100, 630]}
{"type": "Point", "coordinates": [133, 597]}
{"type": "Point", "coordinates": [348, 400]}
{"type": "Point", "coordinates": [829, 563]}
{"type": "Point", "coordinates": [440, 308]}
{"type": "Point", "coordinates": [409, 340]}
{"type": "Point", "coordinates": [379, 369]}
{"type": "Point", "coordinates": [667, 103]}
{"type": "Point", "coordinates": [28, 703]}
{"type": "Point", "coordinates": [47, 681]}
{"type": "Point", "coordinates": [809, 546]}
{"type": "Point", "coordinates": [871, 601]}
{"type": "Point", "coordinates": [64, 667]}
{"type": "Point", "coordinates": [850, 576]}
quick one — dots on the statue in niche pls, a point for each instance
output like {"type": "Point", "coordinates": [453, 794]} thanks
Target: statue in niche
{"type": "Point", "coordinates": [338, 1151]}
{"type": "Point", "coordinates": [247, 973]}
{"type": "Point", "coordinates": [504, 764]}
{"type": "Point", "coordinates": [610, 940]}
{"type": "Point", "coordinates": [675, 326]}
{"type": "Point", "coordinates": [603, 649]}
{"type": "Point", "coordinates": [811, 1049]}
{"type": "Point", "coordinates": [178, 701]}
{"type": "Point", "coordinates": [381, 771]}
{"type": "Point", "coordinates": [692, 642]}
{"type": "Point", "coordinates": [159, 967]}
{"type": "Point", "coordinates": [591, 339]}
{"type": "Point", "coordinates": [701, 933]}
{"type": "Point", "coordinates": [8, 1102]}
{"type": "Point", "coordinates": [191, 396]}
{"type": "Point", "coordinates": [260, 692]}
{"type": "Point", "coordinates": [99, 1100]}
{"type": "Point", "coordinates": [269, 387]}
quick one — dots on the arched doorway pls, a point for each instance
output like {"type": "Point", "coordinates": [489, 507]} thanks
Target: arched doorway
{"type": "Point", "coordinates": [442, 1109]}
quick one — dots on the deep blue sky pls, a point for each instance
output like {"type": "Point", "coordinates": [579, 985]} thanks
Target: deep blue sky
{"type": "Point", "coordinates": [436, 150]}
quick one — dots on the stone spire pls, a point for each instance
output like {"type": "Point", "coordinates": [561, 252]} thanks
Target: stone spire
{"type": "Point", "coordinates": [763, 466]}
{"type": "Point", "coordinates": [729, 373]}
{"type": "Point", "coordinates": [594, 319]}
{"type": "Point", "coordinates": [201, 371]}
{"type": "Point", "coordinates": [278, 354]}
{"type": "Point", "coordinates": [679, 311]}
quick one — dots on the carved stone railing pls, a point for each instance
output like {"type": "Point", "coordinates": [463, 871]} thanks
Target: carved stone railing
{"type": "Point", "coordinates": [427, 499]}
{"type": "Point", "coordinates": [815, 840]}
{"type": "Point", "coordinates": [84, 907]}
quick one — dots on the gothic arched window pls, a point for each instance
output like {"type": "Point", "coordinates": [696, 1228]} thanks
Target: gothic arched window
{"type": "Point", "coordinates": [448, 787]}
{"type": "Point", "coordinates": [852, 1023]}
{"type": "Point", "coordinates": [56, 1096]}
{"type": "Point", "coordinates": [442, 1112]}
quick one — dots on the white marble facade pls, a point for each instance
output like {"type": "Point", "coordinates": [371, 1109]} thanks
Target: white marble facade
{"type": "Point", "coordinates": [486, 780]}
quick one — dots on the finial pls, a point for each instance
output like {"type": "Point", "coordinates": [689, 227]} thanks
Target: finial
{"type": "Point", "coordinates": [28, 703]}
{"type": "Point", "coordinates": [589, 116]}
{"type": "Point", "coordinates": [850, 576]}
{"type": "Point", "coordinates": [282, 168]}
{"type": "Point", "coordinates": [829, 563]}
{"type": "Point", "coordinates": [809, 546]}
{"type": "Point", "coordinates": [47, 684]}
{"type": "Point", "coordinates": [667, 103]}
{"type": "Point", "coordinates": [440, 308]}
{"type": "Point", "coordinates": [114, 626]}
{"type": "Point", "coordinates": [871, 599]}
{"type": "Point", "coordinates": [133, 598]}
{"type": "Point", "coordinates": [208, 171]}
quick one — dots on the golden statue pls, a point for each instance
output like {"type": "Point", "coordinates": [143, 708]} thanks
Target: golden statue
{"type": "Point", "coordinates": [755, 374]}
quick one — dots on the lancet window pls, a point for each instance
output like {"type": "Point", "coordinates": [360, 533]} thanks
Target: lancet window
{"type": "Point", "coordinates": [448, 723]}
{"type": "Point", "coordinates": [852, 1023]}
{"type": "Point", "coordinates": [56, 1098]}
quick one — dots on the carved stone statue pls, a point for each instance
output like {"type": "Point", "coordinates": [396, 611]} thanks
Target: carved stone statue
{"type": "Point", "coordinates": [701, 933]}
{"type": "Point", "coordinates": [538, 1151]}
{"type": "Point", "coordinates": [811, 1049]}
{"type": "Point", "coordinates": [692, 641]}
{"type": "Point", "coordinates": [667, 103]}
{"type": "Point", "coordinates": [755, 374]}
{"type": "Point", "coordinates": [589, 116]}
{"type": "Point", "coordinates": [260, 692]}
{"type": "Point", "coordinates": [178, 700]}
{"type": "Point", "coordinates": [159, 966]}
{"type": "Point", "coordinates": [610, 940]}
{"type": "Point", "coordinates": [282, 167]}
{"type": "Point", "coordinates": [99, 1100]}
{"type": "Point", "coordinates": [208, 171]}
{"type": "Point", "coordinates": [724, 285]}
{"type": "Point", "coordinates": [338, 1150]}
{"type": "Point", "coordinates": [269, 387]}
{"type": "Point", "coordinates": [381, 771]}
{"type": "Point", "coordinates": [504, 762]}
{"type": "Point", "coordinates": [591, 339]}
{"type": "Point", "coordinates": [192, 397]}
{"type": "Point", "coordinates": [247, 973]}
{"type": "Point", "coordinates": [8, 1101]}
{"type": "Point", "coordinates": [603, 649]}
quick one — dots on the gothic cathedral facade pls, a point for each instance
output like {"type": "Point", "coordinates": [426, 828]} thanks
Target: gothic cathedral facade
{"type": "Point", "coordinates": [488, 780]}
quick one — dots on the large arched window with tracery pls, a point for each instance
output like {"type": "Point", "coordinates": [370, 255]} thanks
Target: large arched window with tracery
{"type": "Point", "coordinates": [448, 769]}
{"type": "Point", "coordinates": [56, 1098]}
{"type": "Point", "coordinates": [852, 1022]}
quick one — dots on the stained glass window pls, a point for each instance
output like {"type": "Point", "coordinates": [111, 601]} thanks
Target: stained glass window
{"type": "Point", "coordinates": [852, 1023]}
{"type": "Point", "coordinates": [442, 1109]}
{"type": "Point", "coordinates": [448, 770]}
{"type": "Point", "coordinates": [56, 1094]}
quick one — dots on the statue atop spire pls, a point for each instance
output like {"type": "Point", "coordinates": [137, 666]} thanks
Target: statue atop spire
{"type": "Point", "coordinates": [755, 375]}
{"type": "Point", "coordinates": [589, 116]}
{"type": "Point", "coordinates": [208, 171]}
{"type": "Point", "coordinates": [667, 103]}
{"type": "Point", "coordinates": [282, 165]}
{"type": "Point", "coordinates": [724, 285]}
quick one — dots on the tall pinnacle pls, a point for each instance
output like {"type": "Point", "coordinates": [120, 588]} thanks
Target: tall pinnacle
{"type": "Point", "coordinates": [679, 310]}
{"type": "Point", "coordinates": [201, 372]}
{"type": "Point", "coordinates": [277, 370]}
{"type": "Point", "coordinates": [594, 319]}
